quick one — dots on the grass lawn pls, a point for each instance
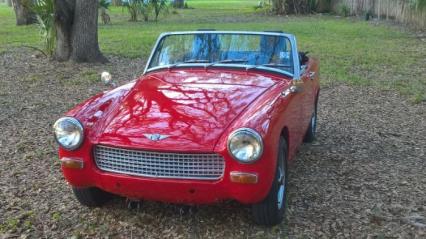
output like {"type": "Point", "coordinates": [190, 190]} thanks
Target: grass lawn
{"type": "Point", "coordinates": [355, 52]}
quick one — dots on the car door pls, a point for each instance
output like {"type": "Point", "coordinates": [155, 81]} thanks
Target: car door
{"type": "Point", "coordinates": [308, 75]}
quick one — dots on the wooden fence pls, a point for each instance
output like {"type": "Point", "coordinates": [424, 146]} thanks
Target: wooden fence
{"type": "Point", "coordinates": [399, 10]}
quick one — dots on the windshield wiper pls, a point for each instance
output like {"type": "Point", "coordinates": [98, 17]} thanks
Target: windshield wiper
{"type": "Point", "coordinates": [272, 65]}
{"type": "Point", "coordinates": [227, 61]}
{"type": "Point", "coordinates": [267, 65]}
{"type": "Point", "coordinates": [276, 65]}
{"type": "Point", "coordinates": [196, 61]}
{"type": "Point", "coordinates": [231, 61]}
{"type": "Point", "coordinates": [187, 61]}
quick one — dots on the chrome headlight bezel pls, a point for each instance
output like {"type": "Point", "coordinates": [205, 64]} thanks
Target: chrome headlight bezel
{"type": "Point", "coordinates": [78, 127]}
{"type": "Point", "coordinates": [251, 133]}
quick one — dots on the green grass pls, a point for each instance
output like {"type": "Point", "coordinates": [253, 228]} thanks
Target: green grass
{"type": "Point", "coordinates": [354, 52]}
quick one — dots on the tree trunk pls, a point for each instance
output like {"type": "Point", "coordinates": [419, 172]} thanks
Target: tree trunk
{"type": "Point", "coordinates": [24, 16]}
{"type": "Point", "coordinates": [9, 3]}
{"type": "Point", "coordinates": [76, 24]}
{"type": "Point", "coordinates": [84, 41]}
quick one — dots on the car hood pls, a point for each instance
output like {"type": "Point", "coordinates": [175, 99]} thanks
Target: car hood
{"type": "Point", "coordinates": [179, 111]}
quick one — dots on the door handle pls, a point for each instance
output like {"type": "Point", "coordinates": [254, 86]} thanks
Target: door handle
{"type": "Point", "coordinates": [312, 75]}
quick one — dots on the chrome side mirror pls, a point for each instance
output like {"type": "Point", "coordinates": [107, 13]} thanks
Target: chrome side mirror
{"type": "Point", "coordinates": [106, 78]}
{"type": "Point", "coordinates": [296, 87]}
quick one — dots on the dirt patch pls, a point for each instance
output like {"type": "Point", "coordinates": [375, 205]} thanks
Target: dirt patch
{"type": "Point", "coordinates": [365, 176]}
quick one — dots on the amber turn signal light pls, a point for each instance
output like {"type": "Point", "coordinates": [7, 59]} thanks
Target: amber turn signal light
{"type": "Point", "coordinates": [73, 163]}
{"type": "Point", "coordinates": [241, 177]}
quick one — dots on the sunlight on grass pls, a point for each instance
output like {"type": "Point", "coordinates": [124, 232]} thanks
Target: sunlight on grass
{"type": "Point", "coordinates": [355, 52]}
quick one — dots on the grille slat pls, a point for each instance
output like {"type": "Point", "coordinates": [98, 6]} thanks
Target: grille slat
{"type": "Point", "coordinates": [158, 164]}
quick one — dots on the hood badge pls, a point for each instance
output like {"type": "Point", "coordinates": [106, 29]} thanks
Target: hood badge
{"type": "Point", "coordinates": [156, 137]}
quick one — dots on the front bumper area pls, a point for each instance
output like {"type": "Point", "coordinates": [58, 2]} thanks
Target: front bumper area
{"type": "Point", "coordinates": [181, 191]}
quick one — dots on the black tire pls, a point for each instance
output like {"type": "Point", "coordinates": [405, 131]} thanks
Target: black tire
{"type": "Point", "coordinates": [311, 132]}
{"type": "Point", "coordinates": [91, 197]}
{"type": "Point", "coordinates": [271, 211]}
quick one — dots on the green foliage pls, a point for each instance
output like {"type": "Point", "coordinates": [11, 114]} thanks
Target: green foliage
{"type": "Point", "coordinates": [44, 10]}
{"type": "Point", "coordinates": [344, 10]}
{"type": "Point", "coordinates": [104, 4]}
{"type": "Point", "coordinates": [146, 8]}
{"type": "Point", "coordinates": [264, 6]}
{"type": "Point", "coordinates": [419, 5]}
{"type": "Point", "coordinates": [312, 5]}
{"type": "Point", "coordinates": [135, 8]}
{"type": "Point", "coordinates": [280, 7]}
{"type": "Point", "coordinates": [158, 7]}
{"type": "Point", "coordinates": [350, 52]}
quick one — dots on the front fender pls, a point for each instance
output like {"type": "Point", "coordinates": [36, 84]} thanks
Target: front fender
{"type": "Point", "coordinates": [265, 116]}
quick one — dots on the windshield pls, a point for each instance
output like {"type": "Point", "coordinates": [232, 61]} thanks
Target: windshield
{"type": "Point", "coordinates": [229, 49]}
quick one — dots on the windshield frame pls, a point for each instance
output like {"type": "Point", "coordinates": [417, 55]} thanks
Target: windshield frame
{"type": "Point", "coordinates": [290, 37]}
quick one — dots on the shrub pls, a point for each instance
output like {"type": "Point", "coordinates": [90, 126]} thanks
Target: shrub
{"type": "Point", "coordinates": [104, 6]}
{"type": "Point", "coordinates": [45, 13]}
{"type": "Point", "coordinates": [345, 10]}
{"type": "Point", "coordinates": [145, 8]}
{"type": "Point", "coordinates": [159, 6]}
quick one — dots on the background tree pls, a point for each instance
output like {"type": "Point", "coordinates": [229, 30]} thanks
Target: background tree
{"type": "Point", "coordinates": [103, 7]}
{"type": "Point", "coordinates": [138, 7]}
{"type": "Point", "coordinates": [145, 8]}
{"type": "Point", "coordinates": [279, 7]}
{"type": "Point", "coordinates": [117, 2]}
{"type": "Point", "coordinates": [178, 3]}
{"type": "Point", "coordinates": [76, 23]}
{"type": "Point", "coordinates": [23, 12]}
{"type": "Point", "coordinates": [159, 6]}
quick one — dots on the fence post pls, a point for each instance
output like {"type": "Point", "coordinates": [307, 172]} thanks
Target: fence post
{"type": "Point", "coordinates": [378, 10]}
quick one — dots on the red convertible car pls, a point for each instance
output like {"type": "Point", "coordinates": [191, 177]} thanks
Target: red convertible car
{"type": "Point", "coordinates": [217, 115]}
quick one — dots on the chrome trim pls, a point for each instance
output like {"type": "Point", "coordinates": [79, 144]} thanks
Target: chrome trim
{"type": "Point", "coordinates": [156, 137]}
{"type": "Point", "coordinates": [291, 37]}
{"type": "Point", "coordinates": [312, 75]}
{"type": "Point", "coordinates": [246, 67]}
{"type": "Point", "coordinates": [291, 90]}
{"type": "Point", "coordinates": [79, 126]}
{"type": "Point", "coordinates": [159, 164]}
{"type": "Point", "coordinates": [255, 134]}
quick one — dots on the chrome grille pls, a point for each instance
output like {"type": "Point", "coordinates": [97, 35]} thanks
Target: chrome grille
{"type": "Point", "coordinates": [158, 164]}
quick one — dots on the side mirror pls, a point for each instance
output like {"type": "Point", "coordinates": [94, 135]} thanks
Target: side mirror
{"type": "Point", "coordinates": [296, 87]}
{"type": "Point", "coordinates": [106, 78]}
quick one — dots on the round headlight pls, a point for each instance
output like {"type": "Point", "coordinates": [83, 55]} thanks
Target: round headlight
{"type": "Point", "coordinates": [245, 145]}
{"type": "Point", "coordinates": [68, 133]}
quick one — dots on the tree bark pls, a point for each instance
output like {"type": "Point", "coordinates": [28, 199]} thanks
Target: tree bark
{"type": "Point", "coordinates": [76, 23]}
{"type": "Point", "coordinates": [64, 14]}
{"type": "Point", "coordinates": [24, 15]}
{"type": "Point", "coordinates": [84, 39]}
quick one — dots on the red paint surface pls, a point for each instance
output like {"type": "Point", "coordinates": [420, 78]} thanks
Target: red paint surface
{"type": "Point", "coordinates": [198, 109]}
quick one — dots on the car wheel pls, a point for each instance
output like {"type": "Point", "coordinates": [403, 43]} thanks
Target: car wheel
{"type": "Point", "coordinates": [271, 210]}
{"type": "Point", "coordinates": [310, 133]}
{"type": "Point", "coordinates": [91, 197]}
